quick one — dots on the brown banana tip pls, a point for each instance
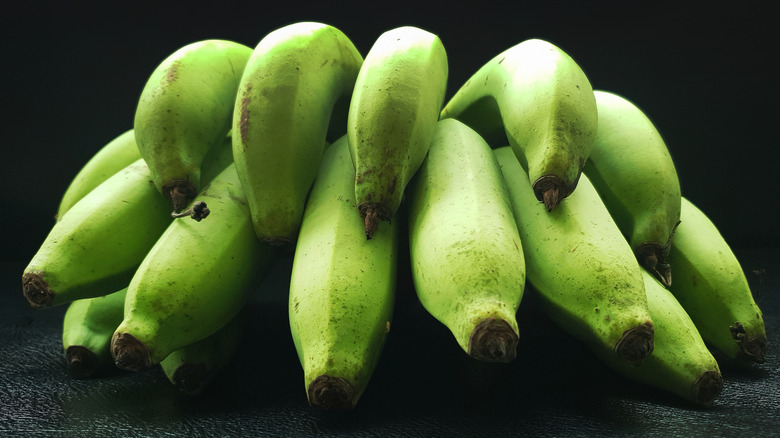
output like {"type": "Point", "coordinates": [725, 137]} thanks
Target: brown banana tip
{"type": "Point", "coordinates": [81, 362]}
{"type": "Point", "coordinates": [372, 213]}
{"type": "Point", "coordinates": [636, 343]}
{"type": "Point", "coordinates": [191, 378]}
{"type": "Point", "coordinates": [180, 192]}
{"type": "Point", "coordinates": [331, 393]}
{"type": "Point", "coordinates": [36, 290]}
{"type": "Point", "coordinates": [129, 353]}
{"type": "Point", "coordinates": [197, 212]}
{"type": "Point", "coordinates": [707, 387]}
{"type": "Point", "coordinates": [493, 340]}
{"type": "Point", "coordinates": [751, 348]}
{"type": "Point", "coordinates": [548, 189]}
{"type": "Point", "coordinates": [651, 256]}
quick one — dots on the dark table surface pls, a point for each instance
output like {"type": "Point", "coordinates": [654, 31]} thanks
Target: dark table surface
{"type": "Point", "coordinates": [424, 384]}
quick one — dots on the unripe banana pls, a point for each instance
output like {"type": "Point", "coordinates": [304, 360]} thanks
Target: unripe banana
{"type": "Point", "coordinates": [342, 288]}
{"type": "Point", "coordinates": [290, 89]}
{"type": "Point", "coordinates": [191, 368]}
{"type": "Point", "coordinates": [466, 256]}
{"type": "Point", "coordinates": [194, 280]}
{"type": "Point", "coordinates": [98, 244]}
{"type": "Point", "coordinates": [185, 109]}
{"type": "Point", "coordinates": [397, 99]}
{"type": "Point", "coordinates": [581, 267]}
{"type": "Point", "coordinates": [110, 159]}
{"type": "Point", "coordinates": [680, 364]}
{"type": "Point", "coordinates": [712, 287]}
{"type": "Point", "coordinates": [86, 332]}
{"type": "Point", "coordinates": [631, 168]}
{"type": "Point", "coordinates": [535, 96]}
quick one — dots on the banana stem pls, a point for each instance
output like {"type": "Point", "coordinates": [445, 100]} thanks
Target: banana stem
{"type": "Point", "coordinates": [331, 393]}
{"type": "Point", "coordinates": [36, 290]}
{"type": "Point", "coordinates": [636, 343]}
{"type": "Point", "coordinates": [753, 349]}
{"type": "Point", "coordinates": [180, 192]}
{"type": "Point", "coordinates": [493, 340]}
{"type": "Point", "coordinates": [707, 387]}
{"type": "Point", "coordinates": [198, 211]}
{"type": "Point", "coordinates": [129, 353]}
{"type": "Point", "coordinates": [373, 213]}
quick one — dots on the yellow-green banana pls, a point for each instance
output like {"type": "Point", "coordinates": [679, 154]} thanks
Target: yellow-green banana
{"type": "Point", "coordinates": [110, 159]}
{"type": "Point", "coordinates": [712, 287]}
{"type": "Point", "coordinates": [191, 368]}
{"type": "Point", "coordinates": [342, 288]}
{"type": "Point", "coordinates": [398, 95]}
{"type": "Point", "coordinates": [185, 109]}
{"type": "Point", "coordinates": [632, 170]}
{"type": "Point", "coordinates": [86, 332]}
{"type": "Point", "coordinates": [98, 244]}
{"type": "Point", "coordinates": [535, 96]}
{"type": "Point", "coordinates": [680, 364]}
{"type": "Point", "coordinates": [581, 267]}
{"type": "Point", "coordinates": [194, 280]}
{"type": "Point", "coordinates": [467, 259]}
{"type": "Point", "coordinates": [286, 98]}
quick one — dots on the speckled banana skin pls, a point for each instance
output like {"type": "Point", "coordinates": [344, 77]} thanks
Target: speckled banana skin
{"type": "Point", "coordinates": [342, 288]}
{"type": "Point", "coordinates": [297, 80]}
{"type": "Point", "coordinates": [633, 172]}
{"type": "Point", "coordinates": [398, 95]}
{"type": "Point", "coordinates": [581, 267]}
{"type": "Point", "coordinates": [466, 256]}
{"type": "Point", "coordinates": [538, 98]}
{"type": "Point", "coordinates": [185, 109]}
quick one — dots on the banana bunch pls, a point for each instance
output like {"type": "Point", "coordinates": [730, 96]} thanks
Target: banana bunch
{"type": "Point", "coordinates": [300, 146]}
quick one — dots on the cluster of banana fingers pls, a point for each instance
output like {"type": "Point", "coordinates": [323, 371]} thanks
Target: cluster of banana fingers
{"type": "Point", "coordinates": [302, 146]}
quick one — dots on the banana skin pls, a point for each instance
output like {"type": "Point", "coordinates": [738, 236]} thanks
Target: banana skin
{"type": "Point", "coordinates": [287, 97]}
{"type": "Point", "coordinates": [342, 288]}
{"type": "Point", "coordinates": [466, 255]}
{"type": "Point", "coordinates": [395, 105]}
{"type": "Point", "coordinates": [538, 98]}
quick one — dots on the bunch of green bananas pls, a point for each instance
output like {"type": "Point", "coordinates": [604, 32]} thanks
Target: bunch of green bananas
{"type": "Point", "coordinates": [527, 176]}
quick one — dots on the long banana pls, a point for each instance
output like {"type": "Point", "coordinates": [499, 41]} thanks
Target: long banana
{"type": "Point", "coordinates": [289, 91]}
{"type": "Point", "coordinates": [632, 169]}
{"type": "Point", "coordinates": [87, 328]}
{"type": "Point", "coordinates": [712, 287]}
{"type": "Point", "coordinates": [98, 244]}
{"type": "Point", "coordinates": [191, 368]}
{"type": "Point", "coordinates": [538, 98]}
{"type": "Point", "coordinates": [185, 109]}
{"type": "Point", "coordinates": [342, 288]}
{"type": "Point", "coordinates": [467, 259]}
{"type": "Point", "coordinates": [194, 280]}
{"type": "Point", "coordinates": [581, 267]}
{"type": "Point", "coordinates": [681, 363]}
{"type": "Point", "coordinates": [114, 156]}
{"type": "Point", "coordinates": [392, 116]}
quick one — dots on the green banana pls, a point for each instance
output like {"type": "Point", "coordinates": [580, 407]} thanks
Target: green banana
{"type": "Point", "coordinates": [290, 89]}
{"type": "Point", "coordinates": [97, 246]}
{"type": "Point", "coordinates": [110, 159]}
{"type": "Point", "coordinates": [680, 364]}
{"type": "Point", "coordinates": [581, 267]}
{"type": "Point", "coordinates": [467, 259]}
{"type": "Point", "coordinates": [191, 368]}
{"type": "Point", "coordinates": [632, 170]}
{"type": "Point", "coordinates": [185, 109]}
{"type": "Point", "coordinates": [712, 287]}
{"type": "Point", "coordinates": [398, 94]}
{"type": "Point", "coordinates": [535, 96]}
{"type": "Point", "coordinates": [86, 332]}
{"type": "Point", "coordinates": [194, 279]}
{"type": "Point", "coordinates": [342, 288]}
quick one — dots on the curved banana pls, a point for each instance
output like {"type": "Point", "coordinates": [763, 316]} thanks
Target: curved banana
{"type": "Point", "coordinates": [87, 328]}
{"type": "Point", "coordinates": [535, 96]}
{"type": "Point", "coordinates": [286, 98]}
{"type": "Point", "coordinates": [581, 267]}
{"type": "Point", "coordinates": [392, 115]}
{"type": "Point", "coordinates": [467, 260]}
{"type": "Point", "coordinates": [114, 156]}
{"type": "Point", "coordinates": [681, 363]}
{"type": "Point", "coordinates": [631, 168]}
{"type": "Point", "coordinates": [191, 368]}
{"type": "Point", "coordinates": [194, 280]}
{"type": "Point", "coordinates": [712, 287]}
{"type": "Point", "coordinates": [185, 109]}
{"type": "Point", "coordinates": [342, 288]}
{"type": "Point", "coordinates": [98, 245]}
